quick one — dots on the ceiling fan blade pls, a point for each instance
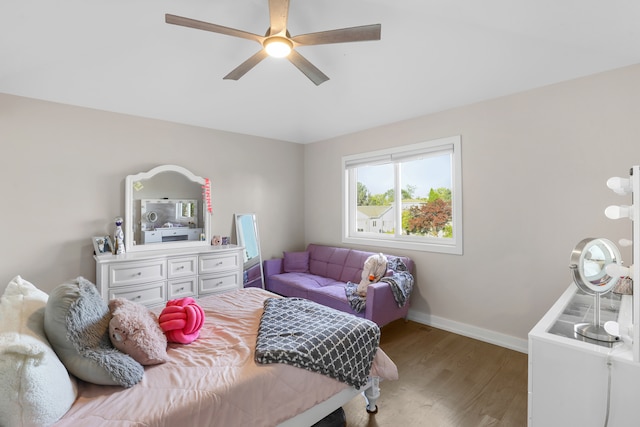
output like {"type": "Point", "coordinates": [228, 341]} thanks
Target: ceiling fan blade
{"type": "Point", "coordinates": [206, 26]}
{"type": "Point", "coordinates": [343, 35]}
{"type": "Point", "coordinates": [243, 68]}
{"type": "Point", "coordinates": [278, 15]}
{"type": "Point", "coordinates": [309, 70]}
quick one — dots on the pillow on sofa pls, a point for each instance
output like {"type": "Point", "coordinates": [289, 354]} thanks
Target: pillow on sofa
{"type": "Point", "coordinates": [77, 325]}
{"type": "Point", "coordinates": [296, 262]}
{"type": "Point", "coordinates": [36, 388]}
{"type": "Point", "coordinates": [134, 330]}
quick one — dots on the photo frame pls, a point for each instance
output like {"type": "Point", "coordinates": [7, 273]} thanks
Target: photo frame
{"type": "Point", "coordinates": [102, 245]}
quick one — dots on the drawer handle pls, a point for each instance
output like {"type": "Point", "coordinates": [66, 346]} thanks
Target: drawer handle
{"type": "Point", "coordinates": [138, 297]}
{"type": "Point", "coordinates": [181, 289]}
{"type": "Point", "coordinates": [139, 273]}
{"type": "Point", "coordinates": [219, 283]}
{"type": "Point", "coordinates": [219, 263]}
{"type": "Point", "coordinates": [180, 268]}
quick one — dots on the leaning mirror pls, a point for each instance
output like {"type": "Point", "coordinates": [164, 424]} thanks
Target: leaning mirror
{"type": "Point", "coordinates": [247, 237]}
{"type": "Point", "coordinates": [589, 261]}
{"type": "Point", "coordinates": [166, 207]}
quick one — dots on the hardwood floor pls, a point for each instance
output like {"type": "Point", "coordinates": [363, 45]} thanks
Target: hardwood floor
{"type": "Point", "coordinates": [446, 380]}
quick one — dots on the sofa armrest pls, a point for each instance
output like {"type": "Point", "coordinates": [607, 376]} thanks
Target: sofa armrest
{"type": "Point", "coordinates": [273, 266]}
{"type": "Point", "coordinates": [381, 306]}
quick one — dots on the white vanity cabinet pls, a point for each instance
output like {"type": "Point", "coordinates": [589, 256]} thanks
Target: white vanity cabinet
{"type": "Point", "coordinates": [154, 277]}
{"type": "Point", "coordinates": [573, 380]}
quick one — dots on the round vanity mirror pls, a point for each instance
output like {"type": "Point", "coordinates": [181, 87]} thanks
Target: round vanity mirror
{"type": "Point", "coordinates": [152, 217]}
{"type": "Point", "coordinates": [589, 261]}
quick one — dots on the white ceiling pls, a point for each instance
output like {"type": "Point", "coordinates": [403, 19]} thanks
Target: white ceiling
{"type": "Point", "coordinates": [119, 55]}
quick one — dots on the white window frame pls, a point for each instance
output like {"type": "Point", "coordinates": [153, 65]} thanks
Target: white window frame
{"type": "Point", "coordinates": [398, 241]}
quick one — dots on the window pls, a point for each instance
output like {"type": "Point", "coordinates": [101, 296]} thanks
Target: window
{"type": "Point", "coordinates": [428, 214]}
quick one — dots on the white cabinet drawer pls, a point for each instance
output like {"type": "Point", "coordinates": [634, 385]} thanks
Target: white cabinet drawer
{"type": "Point", "coordinates": [132, 273]}
{"type": "Point", "coordinates": [180, 267]}
{"type": "Point", "coordinates": [151, 237]}
{"type": "Point", "coordinates": [149, 295]}
{"type": "Point", "coordinates": [180, 288]}
{"type": "Point", "coordinates": [180, 233]}
{"type": "Point", "coordinates": [219, 262]}
{"type": "Point", "coordinates": [218, 283]}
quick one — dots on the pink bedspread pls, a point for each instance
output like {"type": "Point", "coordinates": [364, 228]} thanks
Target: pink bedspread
{"type": "Point", "coordinates": [213, 381]}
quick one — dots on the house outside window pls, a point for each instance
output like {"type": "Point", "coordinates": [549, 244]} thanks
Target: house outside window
{"type": "Point", "coordinates": [428, 214]}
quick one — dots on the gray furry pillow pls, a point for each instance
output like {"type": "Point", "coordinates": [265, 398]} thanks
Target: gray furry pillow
{"type": "Point", "coordinates": [77, 326]}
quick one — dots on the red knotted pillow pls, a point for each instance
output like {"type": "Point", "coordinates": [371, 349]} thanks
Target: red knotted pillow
{"type": "Point", "coordinates": [181, 320]}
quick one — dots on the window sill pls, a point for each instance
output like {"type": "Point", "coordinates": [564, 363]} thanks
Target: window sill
{"type": "Point", "coordinates": [453, 249]}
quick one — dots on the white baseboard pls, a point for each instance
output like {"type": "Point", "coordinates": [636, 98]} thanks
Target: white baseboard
{"type": "Point", "coordinates": [470, 331]}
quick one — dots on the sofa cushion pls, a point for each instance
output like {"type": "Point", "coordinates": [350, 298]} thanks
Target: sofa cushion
{"type": "Point", "coordinates": [327, 261]}
{"type": "Point", "coordinates": [333, 296]}
{"type": "Point", "coordinates": [296, 284]}
{"type": "Point", "coordinates": [36, 388]}
{"type": "Point", "coordinates": [353, 266]}
{"type": "Point", "coordinates": [296, 262]}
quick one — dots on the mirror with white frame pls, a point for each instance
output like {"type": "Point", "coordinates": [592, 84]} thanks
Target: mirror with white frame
{"type": "Point", "coordinates": [166, 208]}
{"type": "Point", "coordinates": [247, 237]}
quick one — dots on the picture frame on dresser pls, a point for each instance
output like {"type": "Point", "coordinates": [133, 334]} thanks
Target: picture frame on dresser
{"type": "Point", "coordinates": [102, 245]}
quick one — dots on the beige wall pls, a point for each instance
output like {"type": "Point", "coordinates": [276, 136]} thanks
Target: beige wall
{"type": "Point", "coordinates": [63, 171]}
{"type": "Point", "coordinates": [534, 171]}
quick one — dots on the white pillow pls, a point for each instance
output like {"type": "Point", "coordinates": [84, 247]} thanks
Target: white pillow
{"type": "Point", "coordinates": [35, 387]}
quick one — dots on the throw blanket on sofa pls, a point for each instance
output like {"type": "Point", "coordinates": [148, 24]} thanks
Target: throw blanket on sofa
{"type": "Point", "coordinates": [356, 301]}
{"type": "Point", "coordinates": [401, 281]}
{"type": "Point", "coordinates": [317, 338]}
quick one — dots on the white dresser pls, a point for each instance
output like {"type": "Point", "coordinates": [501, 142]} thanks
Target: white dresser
{"type": "Point", "coordinates": [154, 277]}
{"type": "Point", "coordinates": [575, 381]}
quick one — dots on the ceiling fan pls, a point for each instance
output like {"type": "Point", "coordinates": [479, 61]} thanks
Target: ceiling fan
{"type": "Point", "coordinates": [278, 42]}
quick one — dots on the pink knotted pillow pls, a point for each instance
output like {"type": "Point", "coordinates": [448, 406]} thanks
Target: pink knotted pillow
{"type": "Point", "coordinates": [181, 320]}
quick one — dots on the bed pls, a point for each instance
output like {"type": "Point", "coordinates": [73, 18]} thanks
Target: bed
{"type": "Point", "coordinates": [214, 381]}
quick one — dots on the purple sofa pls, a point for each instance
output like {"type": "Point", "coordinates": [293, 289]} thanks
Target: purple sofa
{"type": "Point", "coordinates": [320, 274]}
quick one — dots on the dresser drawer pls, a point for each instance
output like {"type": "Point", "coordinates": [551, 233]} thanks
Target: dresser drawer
{"type": "Point", "coordinates": [180, 288]}
{"type": "Point", "coordinates": [151, 237]}
{"type": "Point", "coordinates": [149, 295]}
{"type": "Point", "coordinates": [219, 262]}
{"type": "Point", "coordinates": [132, 273]}
{"type": "Point", "coordinates": [180, 267]}
{"type": "Point", "coordinates": [218, 283]}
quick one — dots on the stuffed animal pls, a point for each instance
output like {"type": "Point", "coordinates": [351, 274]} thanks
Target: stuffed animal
{"type": "Point", "coordinates": [134, 330]}
{"type": "Point", "coordinates": [375, 267]}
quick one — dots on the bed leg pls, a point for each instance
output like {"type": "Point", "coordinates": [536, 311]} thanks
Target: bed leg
{"type": "Point", "coordinates": [372, 394]}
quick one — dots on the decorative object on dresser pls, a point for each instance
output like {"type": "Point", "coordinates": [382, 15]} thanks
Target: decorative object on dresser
{"type": "Point", "coordinates": [247, 237]}
{"type": "Point", "coordinates": [101, 245]}
{"type": "Point", "coordinates": [118, 237]}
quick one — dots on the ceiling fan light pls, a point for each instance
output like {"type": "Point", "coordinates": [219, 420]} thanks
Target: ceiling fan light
{"type": "Point", "coordinates": [278, 47]}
